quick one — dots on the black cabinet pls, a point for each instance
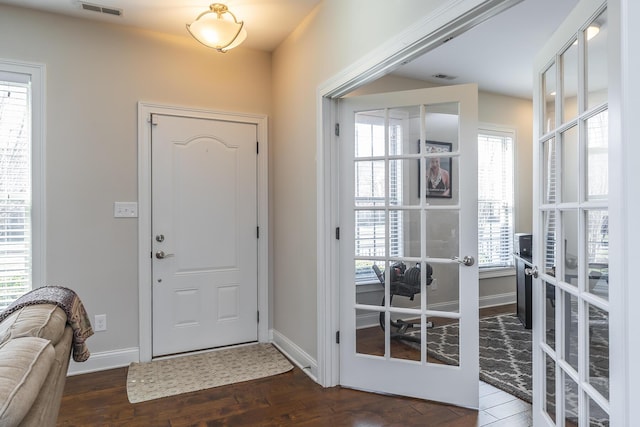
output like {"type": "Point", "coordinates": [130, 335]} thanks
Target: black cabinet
{"type": "Point", "coordinates": [523, 291]}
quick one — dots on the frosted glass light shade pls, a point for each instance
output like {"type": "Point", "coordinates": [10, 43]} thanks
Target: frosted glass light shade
{"type": "Point", "coordinates": [218, 29]}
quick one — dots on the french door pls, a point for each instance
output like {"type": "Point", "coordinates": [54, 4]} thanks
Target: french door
{"type": "Point", "coordinates": [408, 242]}
{"type": "Point", "coordinates": [571, 235]}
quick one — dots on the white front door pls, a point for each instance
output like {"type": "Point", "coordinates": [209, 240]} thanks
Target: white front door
{"type": "Point", "coordinates": [204, 231]}
{"type": "Point", "coordinates": [571, 223]}
{"type": "Point", "coordinates": [408, 208]}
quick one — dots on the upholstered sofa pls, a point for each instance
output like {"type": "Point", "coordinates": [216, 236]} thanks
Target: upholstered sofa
{"type": "Point", "coordinates": [37, 336]}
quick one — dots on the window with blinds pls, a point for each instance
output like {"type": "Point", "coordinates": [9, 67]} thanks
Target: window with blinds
{"type": "Point", "coordinates": [495, 199]}
{"type": "Point", "coordinates": [549, 225]}
{"type": "Point", "coordinates": [15, 188]}
{"type": "Point", "coordinates": [598, 188]}
{"type": "Point", "coordinates": [371, 191]}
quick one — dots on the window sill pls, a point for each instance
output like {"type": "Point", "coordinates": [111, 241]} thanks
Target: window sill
{"type": "Point", "coordinates": [362, 288]}
{"type": "Point", "coordinates": [489, 273]}
{"type": "Point", "coordinates": [368, 282]}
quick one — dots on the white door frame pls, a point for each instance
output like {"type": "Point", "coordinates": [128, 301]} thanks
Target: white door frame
{"type": "Point", "coordinates": [428, 33]}
{"type": "Point", "coordinates": [145, 109]}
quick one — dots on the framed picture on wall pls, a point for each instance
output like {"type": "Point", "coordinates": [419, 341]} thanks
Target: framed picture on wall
{"type": "Point", "coordinates": [439, 171]}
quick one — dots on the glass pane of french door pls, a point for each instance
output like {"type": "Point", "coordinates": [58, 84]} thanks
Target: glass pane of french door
{"type": "Point", "coordinates": [571, 344]}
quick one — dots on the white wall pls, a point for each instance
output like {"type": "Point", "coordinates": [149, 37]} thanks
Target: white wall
{"type": "Point", "coordinates": [95, 75]}
{"type": "Point", "coordinates": [334, 35]}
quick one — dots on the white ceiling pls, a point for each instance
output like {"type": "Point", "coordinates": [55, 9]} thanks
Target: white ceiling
{"type": "Point", "coordinates": [268, 22]}
{"type": "Point", "coordinates": [497, 54]}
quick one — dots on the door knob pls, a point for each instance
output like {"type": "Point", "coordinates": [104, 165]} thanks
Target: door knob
{"type": "Point", "coordinates": [532, 272]}
{"type": "Point", "coordinates": [162, 255]}
{"type": "Point", "coordinates": [467, 260]}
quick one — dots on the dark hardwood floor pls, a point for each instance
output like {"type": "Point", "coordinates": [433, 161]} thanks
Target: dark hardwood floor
{"type": "Point", "coordinates": [100, 399]}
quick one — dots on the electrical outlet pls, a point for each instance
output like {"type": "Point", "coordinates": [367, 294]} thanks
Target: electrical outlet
{"type": "Point", "coordinates": [100, 322]}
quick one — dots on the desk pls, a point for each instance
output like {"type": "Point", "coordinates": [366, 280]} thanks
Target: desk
{"type": "Point", "coordinates": [523, 291]}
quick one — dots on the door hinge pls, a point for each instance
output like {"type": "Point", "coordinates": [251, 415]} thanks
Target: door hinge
{"type": "Point", "coordinates": [337, 129]}
{"type": "Point", "coordinates": [257, 147]}
{"type": "Point", "coordinates": [258, 316]}
{"type": "Point", "coordinates": [337, 337]}
{"type": "Point", "coordinates": [337, 233]}
{"type": "Point", "coordinates": [258, 232]}
{"type": "Point", "coordinates": [151, 120]}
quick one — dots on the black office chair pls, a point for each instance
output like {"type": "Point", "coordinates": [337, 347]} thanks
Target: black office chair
{"type": "Point", "coordinates": [403, 282]}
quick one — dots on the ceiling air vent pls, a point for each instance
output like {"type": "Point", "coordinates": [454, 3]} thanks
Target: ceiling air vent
{"type": "Point", "coordinates": [101, 9]}
{"type": "Point", "coordinates": [444, 77]}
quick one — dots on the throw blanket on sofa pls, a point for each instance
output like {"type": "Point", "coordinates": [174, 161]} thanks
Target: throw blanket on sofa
{"type": "Point", "coordinates": [66, 299]}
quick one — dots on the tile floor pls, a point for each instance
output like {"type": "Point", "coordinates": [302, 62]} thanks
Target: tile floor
{"type": "Point", "coordinates": [498, 408]}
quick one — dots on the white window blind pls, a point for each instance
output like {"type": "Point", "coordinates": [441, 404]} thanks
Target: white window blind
{"type": "Point", "coordinates": [550, 197]}
{"type": "Point", "coordinates": [371, 192]}
{"type": "Point", "coordinates": [598, 187]}
{"type": "Point", "coordinates": [15, 188]}
{"type": "Point", "coordinates": [495, 200]}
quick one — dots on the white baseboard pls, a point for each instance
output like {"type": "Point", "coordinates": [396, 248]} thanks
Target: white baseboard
{"type": "Point", "coordinates": [367, 320]}
{"type": "Point", "coordinates": [498, 299]}
{"type": "Point", "coordinates": [297, 355]}
{"type": "Point", "coordinates": [483, 302]}
{"type": "Point", "coordinates": [105, 360]}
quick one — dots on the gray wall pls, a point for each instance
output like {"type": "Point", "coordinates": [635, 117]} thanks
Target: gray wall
{"type": "Point", "coordinates": [96, 73]}
{"type": "Point", "coordinates": [95, 76]}
{"type": "Point", "coordinates": [334, 36]}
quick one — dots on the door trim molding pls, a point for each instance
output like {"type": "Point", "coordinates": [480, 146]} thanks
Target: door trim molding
{"type": "Point", "coordinates": [428, 33]}
{"type": "Point", "coordinates": [145, 109]}
{"type": "Point", "coordinates": [626, 208]}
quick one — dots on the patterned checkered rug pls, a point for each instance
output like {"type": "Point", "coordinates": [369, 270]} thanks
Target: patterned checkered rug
{"type": "Point", "coordinates": [505, 358]}
{"type": "Point", "coordinates": [169, 377]}
{"type": "Point", "coordinates": [505, 352]}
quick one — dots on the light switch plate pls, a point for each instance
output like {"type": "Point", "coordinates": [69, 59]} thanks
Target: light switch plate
{"type": "Point", "coordinates": [125, 209]}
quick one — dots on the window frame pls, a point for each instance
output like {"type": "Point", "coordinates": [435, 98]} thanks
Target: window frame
{"type": "Point", "coordinates": [36, 73]}
{"type": "Point", "coordinates": [502, 132]}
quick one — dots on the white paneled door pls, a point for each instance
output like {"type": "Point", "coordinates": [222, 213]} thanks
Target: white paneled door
{"type": "Point", "coordinates": [204, 231]}
{"type": "Point", "coordinates": [408, 242]}
{"type": "Point", "coordinates": [571, 223]}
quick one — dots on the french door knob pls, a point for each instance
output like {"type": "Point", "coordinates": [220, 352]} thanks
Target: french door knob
{"type": "Point", "coordinates": [467, 260]}
{"type": "Point", "coordinates": [532, 272]}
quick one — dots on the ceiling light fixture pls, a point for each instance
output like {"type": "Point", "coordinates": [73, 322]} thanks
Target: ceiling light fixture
{"type": "Point", "coordinates": [591, 32]}
{"type": "Point", "coordinates": [218, 28]}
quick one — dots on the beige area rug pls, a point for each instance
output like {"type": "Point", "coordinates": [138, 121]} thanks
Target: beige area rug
{"type": "Point", "coordinates": [169, 377]}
